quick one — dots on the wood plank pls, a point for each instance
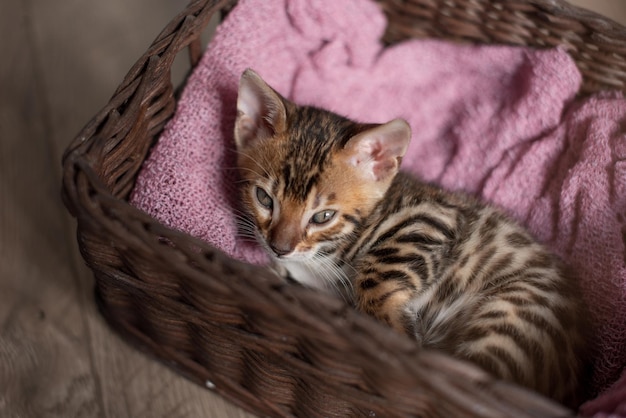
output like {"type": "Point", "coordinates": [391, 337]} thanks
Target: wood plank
{"type": "Point", "coordinates": [614, 9]}
{"type": "Point", "coordinates": [61, 62]}
{"type": "Point", "coordinates": [45, 365]}
{"type": "Point", "coordinates": [86, 50]}
{"type": "Point", "coordinates": [134, 385]}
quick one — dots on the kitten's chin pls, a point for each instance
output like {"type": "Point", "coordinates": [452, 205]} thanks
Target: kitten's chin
{"type": "Point", "coordinates": [301, 273]}
{"type": "Point", "coordinates": [304, 275]}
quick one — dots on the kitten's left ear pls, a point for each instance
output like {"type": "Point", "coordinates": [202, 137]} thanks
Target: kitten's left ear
{"type": "Point", "coordinates": [260, 110]}
{"type": "Point", "coordinates": [377, 152]}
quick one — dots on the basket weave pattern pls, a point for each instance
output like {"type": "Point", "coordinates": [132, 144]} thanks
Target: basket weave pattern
{"type": "Point", "coordinates": [276, 349]}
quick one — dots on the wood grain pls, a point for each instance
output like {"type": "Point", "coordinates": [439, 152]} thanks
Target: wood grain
{"type": "Point", "coordinates": [614, 9]}
{"type": "Point", "coordinates": [61, 62]}
{"type": "Point", "coordinates": [44, 359]}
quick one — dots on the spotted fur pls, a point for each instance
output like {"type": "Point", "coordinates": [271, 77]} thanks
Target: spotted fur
{"type": "Point", "coordinates": [325, 198]}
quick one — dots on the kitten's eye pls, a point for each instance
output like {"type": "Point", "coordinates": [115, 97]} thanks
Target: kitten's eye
{"type": "Point", "coordinates": [322, 217]}
{"type": "Point", "coordinates": [264, 199]}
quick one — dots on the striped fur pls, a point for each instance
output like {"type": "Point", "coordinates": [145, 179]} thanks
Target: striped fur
{"type": "Point", "coordinates": [452, 272]}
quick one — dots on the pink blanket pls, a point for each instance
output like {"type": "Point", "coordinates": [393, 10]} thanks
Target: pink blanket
{"type": "Point", "coordinates": [499, 122]}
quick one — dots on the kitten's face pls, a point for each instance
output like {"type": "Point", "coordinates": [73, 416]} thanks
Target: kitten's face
{"type": "Point", "coordinates": [310, 177]}
{"type": "Point", "coordinates": [295, 226]}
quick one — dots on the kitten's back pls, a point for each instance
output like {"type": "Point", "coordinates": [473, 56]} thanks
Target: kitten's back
{"type": "Point", "coordinates": [331, 208]}
{"type": "Point", "coordinates": [464, 278]}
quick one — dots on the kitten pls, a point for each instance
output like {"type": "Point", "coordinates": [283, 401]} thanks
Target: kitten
{"type": "Point", "coordinates": [329, 204]}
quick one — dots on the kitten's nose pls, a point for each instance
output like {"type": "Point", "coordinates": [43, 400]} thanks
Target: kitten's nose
{"type": "Point", "coordinates": [280, 251]}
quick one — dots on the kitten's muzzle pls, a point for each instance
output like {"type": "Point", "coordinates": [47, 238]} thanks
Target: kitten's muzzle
{"type": "Point", "coordinates": [280, 251]}
{"type": "Point", "coordinates": [284, 237]}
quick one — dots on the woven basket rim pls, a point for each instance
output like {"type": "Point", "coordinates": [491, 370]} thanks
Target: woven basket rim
{"type": "Point", "coordinates": [100, 165]}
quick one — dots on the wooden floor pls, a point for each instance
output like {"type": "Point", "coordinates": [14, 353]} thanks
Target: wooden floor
{"type": "Point", "coordinates": [61, 60]}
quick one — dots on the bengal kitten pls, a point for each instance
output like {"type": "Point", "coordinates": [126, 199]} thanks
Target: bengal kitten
{"type": "Point", "coordinates": [328, 202]}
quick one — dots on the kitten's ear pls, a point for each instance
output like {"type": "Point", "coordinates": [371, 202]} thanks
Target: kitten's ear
{"type": "Point", "coordinates": [377, 152]}
{"type": "Point", "coordinates": [260, 110]}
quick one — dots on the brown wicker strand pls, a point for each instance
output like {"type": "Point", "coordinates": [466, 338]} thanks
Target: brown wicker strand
{"type": "Point", "coordinates": [273, 348]}
{"type": "Point", "coordinates": [586, 36]}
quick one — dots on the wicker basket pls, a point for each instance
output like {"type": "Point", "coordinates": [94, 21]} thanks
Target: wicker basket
{"type": "Point", "coordinates": [276, 349]}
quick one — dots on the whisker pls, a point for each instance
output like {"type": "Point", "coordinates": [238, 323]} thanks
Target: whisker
{"type": "Point", "coordinates": [254, 160]}
{"type": "Point", "coordinates": [314, 267]}
{"type": "Point", "coordinates": [333, 274]}
{"type": "Point", "coordinates": [241, 169]}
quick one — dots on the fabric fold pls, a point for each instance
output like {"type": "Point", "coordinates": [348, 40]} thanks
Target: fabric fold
{"type": "Point", "coordinates": [499, 122]}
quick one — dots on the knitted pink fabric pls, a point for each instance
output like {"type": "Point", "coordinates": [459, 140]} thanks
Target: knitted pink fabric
{"type": "Point", "coordinates": [610, 404]}
{"type": "Point", "coordinates": [498, 122]}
